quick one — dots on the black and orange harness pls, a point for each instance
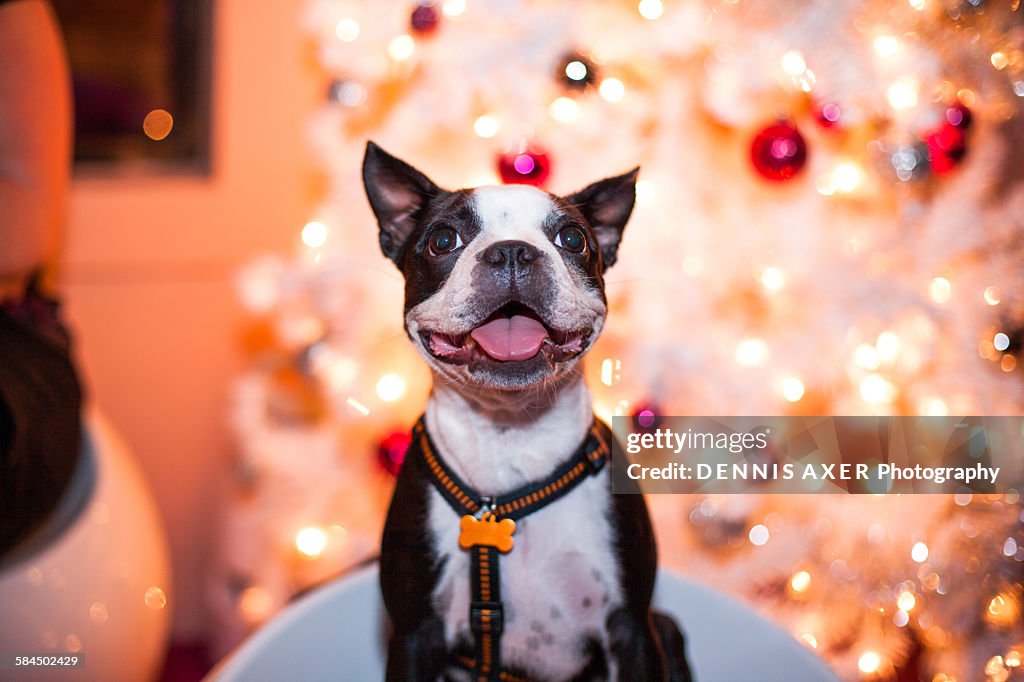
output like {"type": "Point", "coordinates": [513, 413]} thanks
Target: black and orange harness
{"type": "Point", "coordinates": [487, 527]}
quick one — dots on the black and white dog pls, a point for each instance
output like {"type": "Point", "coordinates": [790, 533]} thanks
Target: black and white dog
{"type": "Point", "coordinates": [504, 292]}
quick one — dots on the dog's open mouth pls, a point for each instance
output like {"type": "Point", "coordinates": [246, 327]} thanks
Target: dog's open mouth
{"type": "Point", "coordinates": [512, 333]}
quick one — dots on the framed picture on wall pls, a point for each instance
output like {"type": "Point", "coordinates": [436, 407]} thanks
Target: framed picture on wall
{"type": "Point", "coordinates": [141, 75]}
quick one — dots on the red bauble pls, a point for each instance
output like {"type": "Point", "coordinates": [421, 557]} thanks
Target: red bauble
{"type": "Point", "coordinates": [947, 146]}
{"type": "Point", "coordinates": [425, 18]}
{"type": "Point", "coordinates": [524, 164]}
{"type": "Point", "coordinates": [829, 115]}
{"type": "Point", "coordinates": [779, 152]}
{"type": "Point", "coordinates": [391, 451]}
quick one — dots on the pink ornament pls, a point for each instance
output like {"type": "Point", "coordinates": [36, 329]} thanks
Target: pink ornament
{"type": "Point", "coordinates": [525, 164]}
{"type": "Point", "coordinates": [779, 152]}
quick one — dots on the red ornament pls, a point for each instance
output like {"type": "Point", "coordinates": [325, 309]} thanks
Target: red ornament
{"type": "Point", "coordinates": [828, 115]}
{"type": "Point", "coordinates": [525, 164]}
{"type": "Point", "coordinates": [779, 152]}
{"type": "Point", "coordinates": [392, 449]}
{"type": "Point", "coordinates": [425, 18]}
{"type": "Point", "coordinates": [947, 146]}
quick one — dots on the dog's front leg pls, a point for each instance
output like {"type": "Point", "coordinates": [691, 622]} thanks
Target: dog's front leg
{"type": "Point", "coordinates": [632, 651]}
{"type": "Point", "coordinates": [418, 655]}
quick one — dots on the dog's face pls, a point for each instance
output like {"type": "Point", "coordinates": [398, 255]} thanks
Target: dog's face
{"type": "Point", "coordinates": [504, 286]}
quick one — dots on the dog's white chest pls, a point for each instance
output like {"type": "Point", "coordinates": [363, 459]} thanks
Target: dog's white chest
{"type": "Point", "coordinates": [558, 584]}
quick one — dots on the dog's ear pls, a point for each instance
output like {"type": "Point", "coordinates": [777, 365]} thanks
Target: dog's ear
{"type": "Point", "coordinates": [606, 205]}
{"type": "Point", "coordinates": [396, 192]}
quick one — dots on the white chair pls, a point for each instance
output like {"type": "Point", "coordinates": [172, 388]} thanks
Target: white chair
{"type": "Point", "coordinates": [335, 634]}
{"type": "Point", "coordinates": [95, 580]}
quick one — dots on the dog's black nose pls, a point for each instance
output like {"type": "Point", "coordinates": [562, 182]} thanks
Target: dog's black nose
{"type": "Point", "coordinates": [509, 253]}
{"type": "Point", "coordinates": [510, 261]}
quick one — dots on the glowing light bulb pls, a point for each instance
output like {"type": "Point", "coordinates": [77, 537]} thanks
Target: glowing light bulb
{"type": "Point", "coordinates": [759, 535]}
{"type": "Point", "coordinates": [918, 4]}
{"type": "Point", "coordinates": [486, 126]}
{"type": "Point", "coordinates": [751, 352]}
{"type": "Point", "coordinates": [792, 389]}
{"type": "Point", "coordinates": [993, 295]}
{"type": "Point", "coordinates": [934, 407]}
{"type": "Point", "coordinates": [576, 70]}
{"type": "Point", "coordinates": [907, 601]}
{"type": "Point", "coordinates": [773, 279]}
{"type": "Point", "coordinates": [805, 81]}
{"type": "Point", "coordinates": [255, 604]}
{"type": "Point", "coordinates": [793, 63]}
{"type": "Point", "coordinates": [869, 662]}
{"type": "Point", "coordinates": [1003, 610]}
{"type": "Point", "coordinates": [454, 8]}
{"type": "Point", "coordinates": [564, 109]}
{"type": "Point", "coordinates": [390, 387]}
{"type": "Point", "coordinates": [314, 234]}
{"type": "Point", "coordinates": [846, 177]}
{"type": "Point", "coordinates": [610, 368]}
{"type": "Point", "coordinates": [940, 290]}
{"type": "Point", "coordinates": [886, 46]}
{"type": "Point", "coordinates": [888, 345]}
{"type": "Point", "coordinates": [650, 9]}
{"type": "Point", "coordinates": [919, 552]}
{"type": "Point", "coordinates": [902, 94]}
{"type": "Point", "coordinates": [358, 406]}
{"type": "Point", "coordinates": [612, 89]}
{"type": "Point", "coordinates": [347, 30]}
{"type": "Point", "coordinates": [311, 541]}
{"type": "Point", "coordinates": [877, 390]}
{"type": "Point", "coordinates": [401, 47]}
{"type": "Point", "coordinates": [1001, 341]}
{"type": "Point", "coordinates": [800, 581]}
{"type": "Point", "coordinates": [1000, 61]}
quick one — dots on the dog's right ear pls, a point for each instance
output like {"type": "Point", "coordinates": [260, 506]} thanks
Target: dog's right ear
{"type": "Point", "coordinates": [396, 192]}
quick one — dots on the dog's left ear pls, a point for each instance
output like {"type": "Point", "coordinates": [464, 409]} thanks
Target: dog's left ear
{"type": "Point", "coordinates": [397, 192]}
{"type": "Point", "coordinates": [606, 205]}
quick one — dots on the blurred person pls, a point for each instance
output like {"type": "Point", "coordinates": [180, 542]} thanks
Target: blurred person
{"type": "Point", "coordinates": [40, 394]}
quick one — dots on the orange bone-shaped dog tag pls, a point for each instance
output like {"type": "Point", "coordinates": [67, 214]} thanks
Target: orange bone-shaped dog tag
{"type": "Point", "coordinates": [487, 531]}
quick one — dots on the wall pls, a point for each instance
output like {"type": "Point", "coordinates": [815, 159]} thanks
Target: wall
{"type": "Point", "coordinates": [149, 270]}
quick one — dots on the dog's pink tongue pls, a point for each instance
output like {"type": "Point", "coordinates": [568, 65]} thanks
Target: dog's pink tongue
{"type": "Point", "coordinates": [511, 338]}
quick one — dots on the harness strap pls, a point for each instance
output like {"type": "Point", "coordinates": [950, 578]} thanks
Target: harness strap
{"type": "Point", "coordinates": [486, 614]}
{"type": "Point", "coordinates": [488, 524]}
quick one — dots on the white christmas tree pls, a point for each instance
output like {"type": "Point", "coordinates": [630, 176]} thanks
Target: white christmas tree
{"type": "Point", "coordinates": [829, 220]}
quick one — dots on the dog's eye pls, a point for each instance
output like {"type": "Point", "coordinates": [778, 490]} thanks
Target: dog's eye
{"type": "Point", "coordinates": [444, 240]}
{"type": "Point", "coordinates": [571, 238]}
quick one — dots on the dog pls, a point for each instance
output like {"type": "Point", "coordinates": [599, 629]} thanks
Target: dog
{"type": "Point", "coordinates": [504, 293]}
